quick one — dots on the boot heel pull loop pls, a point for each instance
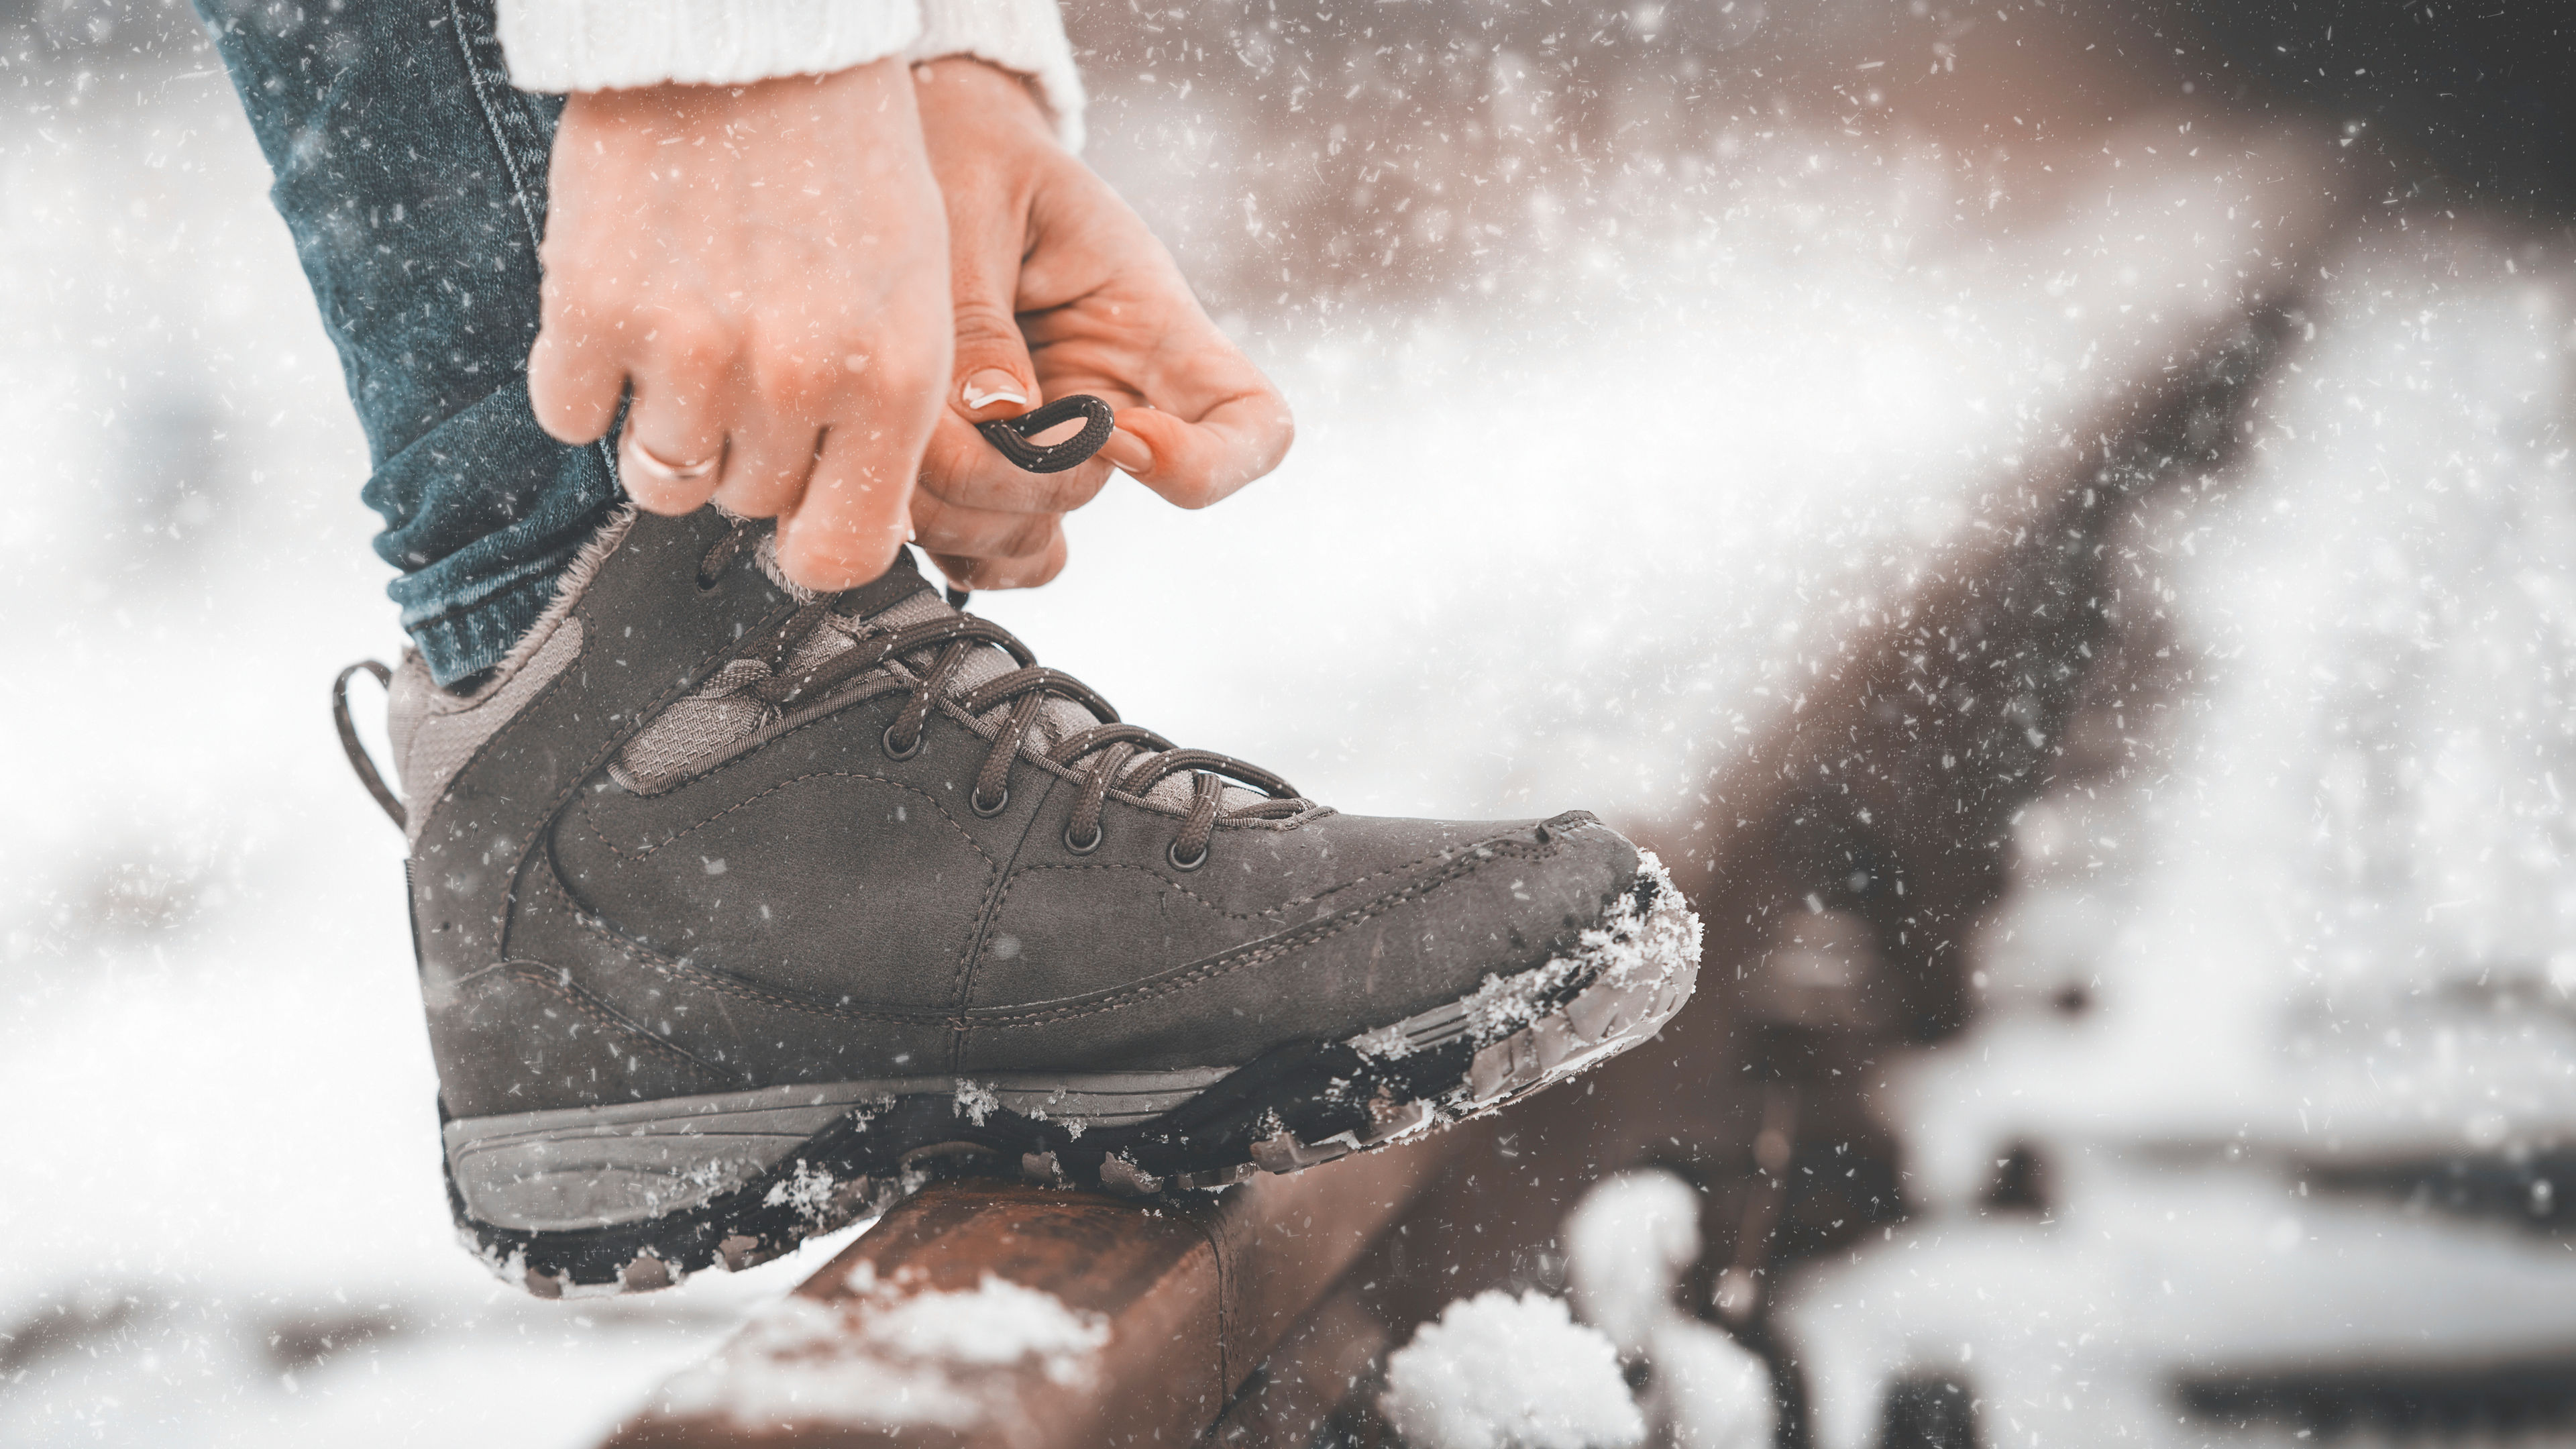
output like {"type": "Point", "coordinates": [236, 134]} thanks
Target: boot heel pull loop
{"type": "Point", "coordinates": [1010, 436]}
{"type": "Point", "coordinates": [359, 760]}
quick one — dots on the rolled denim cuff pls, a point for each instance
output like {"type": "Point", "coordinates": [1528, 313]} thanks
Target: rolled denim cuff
{"type": "Point", "coordinates": [463, 643]}
{"type": "Point", "coordinates": [483, 514]}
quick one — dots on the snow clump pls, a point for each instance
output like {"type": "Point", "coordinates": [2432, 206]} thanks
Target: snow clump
{"type": "Point", "coordinates": [1627, 1246]}
{"type": "Point", "coordinates": [1708, 1391]}
{"type": "Point", "coordinates": [889, 1358]}
{"type": "Point", "coordinates": [1499, 1372]}
{"type": "Point", "coordinates": [1628, 945]}
{"type": "Point", "coordinates": [975, 1101]}
{"type": "Point", "coordinates": [998, 1322]}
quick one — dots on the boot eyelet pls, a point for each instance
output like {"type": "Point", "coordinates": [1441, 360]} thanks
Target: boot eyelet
{"type": "Point", "coordinates": [975, 802]}
{"type": "Point", "coordinates": [1172, 853]}
{"type": "Point", "coordinates": [905, 753]}
{"type": "Point", "coordinates": [1081, 847]}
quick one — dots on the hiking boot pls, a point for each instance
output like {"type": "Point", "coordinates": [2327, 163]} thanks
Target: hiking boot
{"type": "Point", "coordinates": [741, 910]}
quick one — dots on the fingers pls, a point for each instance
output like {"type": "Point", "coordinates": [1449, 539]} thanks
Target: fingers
{"type": "Point", "coordinates": [993, 378]}
{"type": "Point", "coordinates": [1026, 572]}
{"type": "Point", "coordinates": [672, 454]}
{"type": "Point", "coordinates": [767, 465]}
{"type": "Point", "coordinates": [757, 275]}
{"type": "Point", "coordinates": [855, 509]}
{"type": "Point", "coordinates": [1196, 459]}
{"type": "Point", "coordinates": [575, 378]}
{"type": "Point", "coordinates": [976, 120]}
{"type": "Point", "coordinates": [1113, 315]}
{"type": "Point", "coordinates": [853, 516]}
{"type": "Point", "coordinates": [944, 527]}
{"type": "Point", "coordinates": [964, 468]}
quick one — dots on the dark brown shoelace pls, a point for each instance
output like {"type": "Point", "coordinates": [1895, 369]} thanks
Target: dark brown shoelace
{"type": "Point", "coordinates": [1108, 746]}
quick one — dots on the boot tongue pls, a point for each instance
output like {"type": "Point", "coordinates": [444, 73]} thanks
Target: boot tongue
{"type": "Point", "coordinates": [725, 715]}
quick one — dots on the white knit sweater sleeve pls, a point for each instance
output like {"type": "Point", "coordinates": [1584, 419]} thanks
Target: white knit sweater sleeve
{"type": "Point", "coordinates": [597, 45]}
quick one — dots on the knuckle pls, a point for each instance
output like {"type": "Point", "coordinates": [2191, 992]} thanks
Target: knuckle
{"type": "Point", "coordinates": [935, 521]}
{"type": "Point", "coordinates": [782, 367]}
{"type": "Point", "coordinates": [1079, 486]}
{"type": "Point", "coordinates": [784, 391]}
{"type": "Point", "coordinates": [802, 384]}
{"type": "Point", "coordinates": [905, 376]}
{"type": "Point", "coordinates": [695, 345]}
{"type": "Point", "coordinates": [986, 328]}
{"type": "Point", "coordinates": [760, 494]}
{"type": "Point", "coordinates": [1031, 537]}
{"type": "Point", "coordinates": [656, 495]}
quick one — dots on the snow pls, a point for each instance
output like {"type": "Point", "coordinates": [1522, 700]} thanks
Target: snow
{"type": "Point", "coordinates": [2151, 1276]}
{"type": "Point", "coordinates": [1496, 1371]}
{"type": "Point", "coordinates": [1630, 943]}
{"type": "Point", "coordinates": [2332, 905]}
{"type": "Point", "coordinates": [807, 1188]}
{"type": "Point", "coordinates": [1502, 1372]}
{"type": "Point", "coordinates": [1628, 1244]}
{"type": "Point", "coordinates": [975, 1101]}
{"type": "Point", "coordinates": [2321, 910]}
{"type": "Point", "coordinates": [1708, 1391]}
{"type": "Point", "coordinates": [794, 1363]}
{"type": "Point", "coordinates": [890, 1355]}
{"type": "Point", "coordinates": [997, 1322]}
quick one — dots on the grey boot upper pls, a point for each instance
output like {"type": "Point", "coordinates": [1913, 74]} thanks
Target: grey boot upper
{"type": "Point", "coordinates": [648, 863]}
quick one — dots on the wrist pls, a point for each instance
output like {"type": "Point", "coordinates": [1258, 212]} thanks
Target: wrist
{"type": "Point", "coordinates": [965, 89]}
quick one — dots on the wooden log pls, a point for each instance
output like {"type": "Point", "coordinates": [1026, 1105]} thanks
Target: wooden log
{"type": "Point", "coordinates": [1332, 1353]}
{"type": "Point", "coordinates": [1152, 1314]}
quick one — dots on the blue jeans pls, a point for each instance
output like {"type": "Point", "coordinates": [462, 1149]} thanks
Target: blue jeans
{"type": "Point", "coordinates": [413, 178]}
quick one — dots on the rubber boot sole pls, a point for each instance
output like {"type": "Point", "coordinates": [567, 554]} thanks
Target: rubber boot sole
{"type": "Point", "coordinates": [635, 1197]}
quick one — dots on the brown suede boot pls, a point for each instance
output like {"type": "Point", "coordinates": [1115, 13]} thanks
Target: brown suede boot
{"type": "Point", "coordinates": [740, 910]}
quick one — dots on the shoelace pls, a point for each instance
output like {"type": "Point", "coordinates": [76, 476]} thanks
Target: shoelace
{"type": "Point", "coordinates": [1107, 746]}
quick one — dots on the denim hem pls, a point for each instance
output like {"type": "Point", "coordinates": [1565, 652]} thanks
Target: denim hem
{"type": "Point", "coordinates": [469, 641]}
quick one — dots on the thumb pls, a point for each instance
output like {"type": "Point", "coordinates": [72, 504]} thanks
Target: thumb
{"type": "Point", "coordinates": [993, 377]}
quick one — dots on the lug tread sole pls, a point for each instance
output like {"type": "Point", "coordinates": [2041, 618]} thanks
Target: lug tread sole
{"type": "Point", "coordinates": [1297, 1107]}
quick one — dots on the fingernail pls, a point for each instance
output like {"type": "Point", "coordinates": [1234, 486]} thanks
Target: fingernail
{"type": "Point", "coordinates": [990, 386]}
{"type": "Point", "coordinates": [1127, 453]}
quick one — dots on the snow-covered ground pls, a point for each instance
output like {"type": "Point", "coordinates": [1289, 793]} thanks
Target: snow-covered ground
{"type": "Point", "coordinates": [2324, 918]}
{"type": "Point", "coordinates": [1524, 558]}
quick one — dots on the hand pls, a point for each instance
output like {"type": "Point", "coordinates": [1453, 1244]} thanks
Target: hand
{"type": "Point", "coordinates": [763, 269]}
{"type": "Point", "coordinates": [1060, 289]}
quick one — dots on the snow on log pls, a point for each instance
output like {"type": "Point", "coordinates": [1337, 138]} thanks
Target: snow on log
{"type": "Point", "coordinates": [1018, 1317]}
